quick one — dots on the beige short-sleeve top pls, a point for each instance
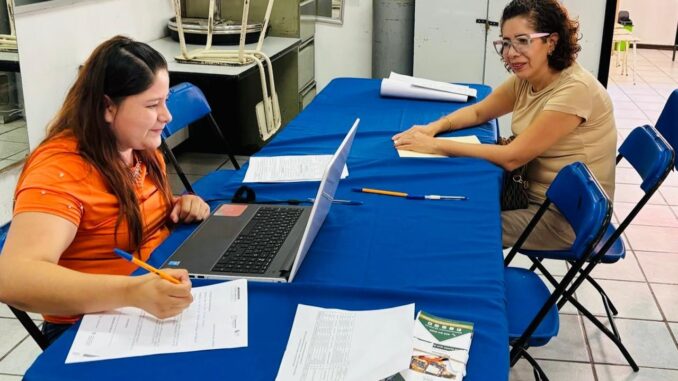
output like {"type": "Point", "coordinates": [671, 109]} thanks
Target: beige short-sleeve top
{"type": "Point", "coordinates": [594, 142]}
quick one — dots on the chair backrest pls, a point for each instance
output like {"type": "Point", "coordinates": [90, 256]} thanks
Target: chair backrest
{"type": "Point", "coordinates": [186, 103]}
{"type": "Point", "coordinates": [582, 201]}
{"type": "Point", "coordinates": [667, 124]}
{"type": "Point", "coordinates": [622, 15]}
{"type": "Point", "coordinates": [649, 154]}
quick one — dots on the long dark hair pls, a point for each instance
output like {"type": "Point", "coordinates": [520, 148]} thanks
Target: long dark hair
{"type": "Point", "coordinates": [117, 68]}
{"type": "Point", "coordinates": [550, 17]}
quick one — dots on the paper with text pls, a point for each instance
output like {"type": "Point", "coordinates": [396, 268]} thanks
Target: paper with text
{"type": "Point", "coordinates": [279, 169]}
{"type": "Point", "coordinates": [471, 139]}
{"type": "Point", "coordinates": [216, 319]}
{"type": "Point", "coordinates": [333, 345]}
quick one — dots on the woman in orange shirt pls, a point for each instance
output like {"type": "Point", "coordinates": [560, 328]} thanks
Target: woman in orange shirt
{"type": "Point", "coordinates": [95, 183]}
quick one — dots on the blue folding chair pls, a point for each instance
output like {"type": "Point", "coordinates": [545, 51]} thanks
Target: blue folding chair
{"type": "Point", "coordinates": [667, 124]}
{"type": "Point", "coordinates": [188, 104]}
{"type": "Point", "coordinates": [532, 309]}
{"type": "Point", "coordinates": [22, 316]}
{"type": "Point", "coordinates": [653, 158]}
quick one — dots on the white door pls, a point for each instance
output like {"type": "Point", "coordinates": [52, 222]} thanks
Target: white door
{"type": "Point", "coordinates": [495, 72]}
{"type": "Point", "coordinates": [448, 42]}
{"type": "Point", "coordinates": [591, 16]}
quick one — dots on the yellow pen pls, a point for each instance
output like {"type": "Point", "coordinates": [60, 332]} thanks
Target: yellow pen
{"type": "Point", "coordinates": [146, 266]}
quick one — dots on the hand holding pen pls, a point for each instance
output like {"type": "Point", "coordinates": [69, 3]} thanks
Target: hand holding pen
{"type": "Point", "coordinates": [162, 293]}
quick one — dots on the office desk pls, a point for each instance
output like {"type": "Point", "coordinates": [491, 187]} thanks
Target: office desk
{"type": "Point", "coordinates": [445, 256]}
{"type": "Point", "coordinates": [234, 91]}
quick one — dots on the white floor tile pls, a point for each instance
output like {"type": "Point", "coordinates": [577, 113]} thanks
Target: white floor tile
{"type": "Point", "coordinates": [21, 358]}
{"type": "Point", "coordinates": [659, 267]}
{"type": "Point", "coordinates": [7, 377]}
{"type": "Point", "coordinates": [624, 269]}
{"type": "Point", "coordinates": [625, 373]}
{"type": "Point", "coordinates": [11, 333]}
{"type": "Point", "coordinates": [569, 345]}
{"type": "Point", "coordinates": [649, 342]}
{"type": "Point", "coordinates": [632, 299]}
{"type": "Point", "coordinates": [555, 371]}
{"type": "Point", "coordinates": [667, 295]}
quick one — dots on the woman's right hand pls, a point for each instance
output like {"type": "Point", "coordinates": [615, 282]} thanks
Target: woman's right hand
{"type": "Point", "coordinates": [431, 129]}
{"type": "Point", "coordinates": [159, 297]}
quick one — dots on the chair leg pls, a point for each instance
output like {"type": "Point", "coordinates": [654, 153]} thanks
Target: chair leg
{"type": "Point", "coordinates": [216, 128]}
{"type": "Point", "coordinates": [182, 176]}
{"type": "Point", "coordinates": [613, 335]}
{"type": "Point", "coordinates": [568, 296]}
{"type": "Point", "coordinates": [538, 372]}
{"type": "Point", "coordinates": [30, 326]}
{"type": "Point", "coordinates": [606, 299]}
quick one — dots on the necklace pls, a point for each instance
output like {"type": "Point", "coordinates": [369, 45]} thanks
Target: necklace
{"type": "Point", "coordinates": [135, 171]}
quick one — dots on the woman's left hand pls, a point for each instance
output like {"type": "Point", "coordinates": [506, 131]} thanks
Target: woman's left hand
{"type": "Point", "coordinates": [414, 140]}
{"type": "Point", "coordinates": [189, 208]}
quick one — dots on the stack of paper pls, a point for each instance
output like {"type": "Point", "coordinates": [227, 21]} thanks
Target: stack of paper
{"type": "Point", "coordinates": [281, 169]}
{"type": "Point", "coordinates": [440, 351]}
{"type": "Point", "coordinates": [471, 139]}
{"type": "Point", "coordinates": [404, 86]}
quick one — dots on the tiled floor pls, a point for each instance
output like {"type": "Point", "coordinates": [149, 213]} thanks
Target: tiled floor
{"type": "Point", "coordinates": [644, 286]}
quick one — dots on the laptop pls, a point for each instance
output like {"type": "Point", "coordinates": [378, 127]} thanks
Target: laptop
{"type": "Point", "coordinates": [260, 242]}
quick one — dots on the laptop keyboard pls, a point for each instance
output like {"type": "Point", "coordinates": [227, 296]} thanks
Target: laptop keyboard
{"type": "Point", "coordinates": [254, 248]}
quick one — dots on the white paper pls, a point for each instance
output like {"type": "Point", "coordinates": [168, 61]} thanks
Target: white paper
{"type": "Point", "coordinates": [403, 86]}
{"type": "Point", "coordinates": [471, 139]}
{"type": "Point", "coordinates": [280, 169]}
{"type": "Point", "coordinates": [334, 345]}
{"type": "Point", "coordinates": [216, 319]}
{"type": "Point", "coordinates": [435, 85]}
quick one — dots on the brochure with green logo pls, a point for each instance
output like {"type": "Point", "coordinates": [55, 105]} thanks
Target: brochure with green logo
{"type": "Point", "coordinates": [440, 350]}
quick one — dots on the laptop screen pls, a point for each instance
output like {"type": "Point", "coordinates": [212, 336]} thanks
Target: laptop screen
{"type": "Point", "coordinates": [324, 198]}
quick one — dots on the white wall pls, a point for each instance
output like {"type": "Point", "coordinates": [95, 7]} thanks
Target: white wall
{"type": "Point", "coordinates": [345, 50]}
{"type": "Point", "coordinates": [591, 16]}
{"type": "Point", "coordinates": [654, 21]}
{"type": "Point", "coordinates": [54, 41]}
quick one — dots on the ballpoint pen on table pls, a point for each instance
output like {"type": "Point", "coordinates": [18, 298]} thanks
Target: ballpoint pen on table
{"type": "Point", "coordinates": [410, 196]}
{"type": "Point", "coordinates": [146, 266]}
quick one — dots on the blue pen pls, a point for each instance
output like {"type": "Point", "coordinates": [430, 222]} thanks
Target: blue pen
{"type": "Point", "coordinates": [409, 196]}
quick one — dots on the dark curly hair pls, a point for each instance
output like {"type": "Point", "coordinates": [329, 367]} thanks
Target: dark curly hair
{"type": "Point", "coordinates": [550, 17]}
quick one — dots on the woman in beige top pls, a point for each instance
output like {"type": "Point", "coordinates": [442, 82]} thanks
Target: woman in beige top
{"type": "Point", "coordinates": [561, 114]}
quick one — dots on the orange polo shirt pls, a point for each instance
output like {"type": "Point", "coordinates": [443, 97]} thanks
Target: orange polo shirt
{"type": "Point", "coordinates": [58, 181]}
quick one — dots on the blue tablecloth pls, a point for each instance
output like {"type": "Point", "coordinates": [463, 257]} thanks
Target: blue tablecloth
{"type": "Point", "coordinates": [443, 255]}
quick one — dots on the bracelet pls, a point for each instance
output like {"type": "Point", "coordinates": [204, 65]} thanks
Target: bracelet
{"type": "Point", "coordinates": [449, 123]}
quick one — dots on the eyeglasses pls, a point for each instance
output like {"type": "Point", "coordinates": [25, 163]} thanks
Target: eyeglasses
{"type": "Point", "coordinates": [520, 43]}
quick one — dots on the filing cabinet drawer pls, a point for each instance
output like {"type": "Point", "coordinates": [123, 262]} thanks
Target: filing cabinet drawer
{"type": "Point", "coordinates": [306, 64]}
{"type": "Point", "coordinates": [307, 20]}
{"type": "Point", "coordinates": [307, 95]}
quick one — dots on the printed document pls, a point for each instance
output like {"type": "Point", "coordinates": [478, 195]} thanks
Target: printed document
{"type": "Point", "coordinates": [471, 139]}
{"type": "Point", "coordinates": [216, 319]}
{"type": "Point", "coordinates": [338, 345]}
{"type": "Point", "coordinates": [280, 169]}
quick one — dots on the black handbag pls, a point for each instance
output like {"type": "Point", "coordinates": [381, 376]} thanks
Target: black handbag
{"type": "Point", "coordinates": [514, 185]}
